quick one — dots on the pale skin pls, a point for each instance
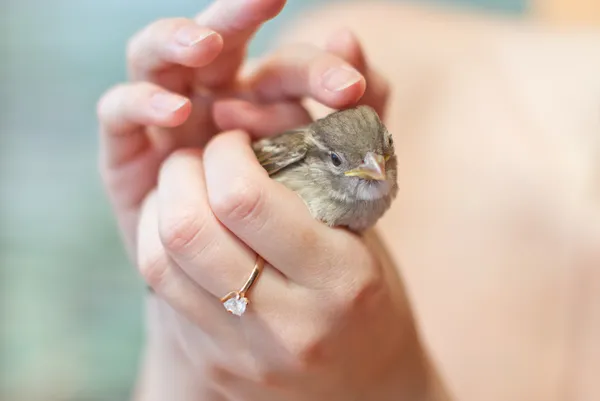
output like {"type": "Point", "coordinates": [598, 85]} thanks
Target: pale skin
{"type": "Point", "coordinates": [497, 225]}
{"type": "Point", "coordinates": [495, 232]}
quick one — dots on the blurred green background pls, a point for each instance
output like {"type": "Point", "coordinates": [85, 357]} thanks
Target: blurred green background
{"type": "Point", "coordinates": [71, 305]}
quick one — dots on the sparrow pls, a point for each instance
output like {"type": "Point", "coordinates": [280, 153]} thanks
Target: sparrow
{"type": "Point", "coordinates": [343, 166]}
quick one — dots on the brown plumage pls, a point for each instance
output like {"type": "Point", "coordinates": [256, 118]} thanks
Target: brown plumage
{"type": "Point", "coordinates": [343, 166]}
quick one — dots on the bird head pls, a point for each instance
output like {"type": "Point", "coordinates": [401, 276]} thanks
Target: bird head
{"type": "Point", "coordinates": [356, 152]}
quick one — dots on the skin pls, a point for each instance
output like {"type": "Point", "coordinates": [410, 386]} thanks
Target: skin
{"type": "Point", "coordinates": [184, 88]}
{"type": "Point", "coordinates": [496, 228]}
{"type": "Point", "coordinates": [495, 233]}
{"type": "Point", "coordinates": [332, 323]}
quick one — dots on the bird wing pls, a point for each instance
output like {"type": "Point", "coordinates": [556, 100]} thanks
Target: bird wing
{"type": "Point", "coordinates": [282, 150]}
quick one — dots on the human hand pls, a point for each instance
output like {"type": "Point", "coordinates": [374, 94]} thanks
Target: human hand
{"type": "Point", "coordinates": [179, 68]}
{"type": "Point", "coordinates": [327, 319]}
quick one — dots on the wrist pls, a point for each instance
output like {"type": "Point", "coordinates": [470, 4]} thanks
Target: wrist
{"type": "Point", "coordinates": [411, 375]}
{"type": "Point", "coordinates": [165, 372]}
{"type": "Point", "coordinates": [413, 378]}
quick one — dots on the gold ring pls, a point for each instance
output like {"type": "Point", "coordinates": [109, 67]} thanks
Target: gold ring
{"type": "Point", "coordinates": [235, 302]}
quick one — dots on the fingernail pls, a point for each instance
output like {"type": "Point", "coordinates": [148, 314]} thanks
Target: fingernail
{"type": "Point", "coordinates": [340, 78]}
{"type": "Point", "coordinates": [192, 35]}
{"type": "Point", "coordinates": [167, 103]}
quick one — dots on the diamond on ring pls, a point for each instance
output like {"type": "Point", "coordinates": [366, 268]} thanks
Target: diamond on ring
{"type": "Point", "coordinates": [236, 302]}
{"type": "Point", "coordinates": [236, 305]}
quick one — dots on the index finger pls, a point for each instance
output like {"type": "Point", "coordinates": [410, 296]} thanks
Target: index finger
{"type": "Point", "coordinates": [269, 218]}
{"type": "Point", "coordinates": [236, 21]}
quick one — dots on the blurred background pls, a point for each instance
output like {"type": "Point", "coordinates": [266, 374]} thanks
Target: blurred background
{"type": "Point", "coordinates": [71, 305]}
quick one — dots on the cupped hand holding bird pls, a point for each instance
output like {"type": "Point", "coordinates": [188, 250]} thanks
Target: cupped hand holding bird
{"type": "Point", "coordinates": [327, 318]}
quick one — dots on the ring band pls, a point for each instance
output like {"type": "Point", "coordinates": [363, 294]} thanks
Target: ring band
{"type": "Point", "coordinates": [235, 302]}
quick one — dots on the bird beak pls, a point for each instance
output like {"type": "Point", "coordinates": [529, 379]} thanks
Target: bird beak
{"type": "Point", "coordinates": [372, 168]}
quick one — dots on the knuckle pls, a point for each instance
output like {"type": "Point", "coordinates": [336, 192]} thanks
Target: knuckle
{"type": "Point", "coordinates": [267, 374]}
{"type": "Point", "coordinates": [106, 102]}
{"type": "Point", "coordinates": [179, 233]}
{"type": "Point", "coordinates": [218, 373]}
{"type": "Point", "coordinates": [362, 292]}
{"type": "Point", "coordinates": [132, 49]}
{"type": "Point", "coordinates": [268, 377]}
{"type": "Point", "coordinates": [307, 354]}
{"type": "Point", "coordinates": [306, 349]}
{"type": "Point", "coordinates": [241, 202]}
{"type": "Point", "coordinates": [153, 269]}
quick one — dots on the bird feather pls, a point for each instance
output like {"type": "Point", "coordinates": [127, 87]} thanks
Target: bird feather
{"type": "Point", "coordinates": [280, 151]}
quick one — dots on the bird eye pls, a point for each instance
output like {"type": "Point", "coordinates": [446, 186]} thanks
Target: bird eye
{"type": "Point", "coordinates": [335, 159]}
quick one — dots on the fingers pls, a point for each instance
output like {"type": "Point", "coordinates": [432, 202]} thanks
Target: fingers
{"type": "Point", "coordinates": [126, 109]}
{"type": "Point", "coordinates": [287, 74]}
{"type": "Point", "coordinates": [195, 239]}
{"type": "Point", "coordinates": [259, 120]}
{"type": "Point", "coordinates": [168, 280]}
{"type": "Point", "coordinates": [299, 71]}
{"type": "Point", "coordinates": [236, 21]}
{"type": "Point", "coordinates": [171, 42]}
{"type": "Point", "coordinates": [189, 230]}
{"type": "Point", "coordinates": [214, 43]}
{"type": "Point", "coordinates": [268, 217]}
{"type": "Point", "coordinates": [345, 45]}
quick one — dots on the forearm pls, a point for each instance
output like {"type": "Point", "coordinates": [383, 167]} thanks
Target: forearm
{"type": "Point", "coordinates": [163, 377]}
{"type": "Point", "coordinates": [415, 376]}
{"type": "Point", "coordinates": [416, 379]}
